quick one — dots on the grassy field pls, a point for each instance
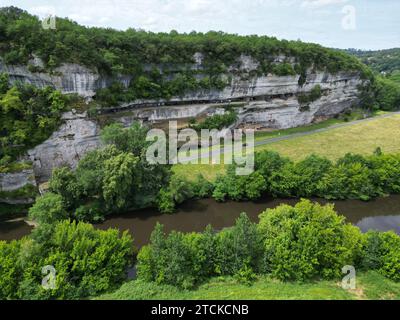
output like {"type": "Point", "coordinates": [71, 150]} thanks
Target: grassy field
{"type": "Point", "coordinates": [370, 285]}
{"type": "Point", "coordinates": [362, 138]}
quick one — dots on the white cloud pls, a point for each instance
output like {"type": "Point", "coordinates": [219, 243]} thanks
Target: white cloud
{"type": "Point", "coordinates": [43, 11]}
{"type": "Point", "coordinates": [320, 3]}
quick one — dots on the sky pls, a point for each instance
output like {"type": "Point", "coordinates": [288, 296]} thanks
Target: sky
{"type": "Point", "coordinates": [361, 24]}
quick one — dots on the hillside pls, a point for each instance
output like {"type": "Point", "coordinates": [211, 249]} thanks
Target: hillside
{"type": "Point", "coordinates": [387, 61]}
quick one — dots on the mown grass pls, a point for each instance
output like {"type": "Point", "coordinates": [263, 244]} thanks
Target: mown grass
{"type": "Point", "coordinates": [362, 138]}
{"type": "Point", "coordinates": [277, 133]}
{"type": "Point", "coordinates": [370, 285]}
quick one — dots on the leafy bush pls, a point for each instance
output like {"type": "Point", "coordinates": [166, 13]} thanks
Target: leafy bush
{"type": "Point", "coordinates": [387, 94]}
{"type": "Point", "coordinates": [217, 121]}
{"type": "Point", "coordinates": [184, 260]}
{"type": "Point", "coordinates": [239, 247]}
{"type": "Point", "coordinates": [48, 208]}
{"type": "Point", "coordinates": [177, 192]}
{"type": "Point", "coordinates": [351, 177]}
{"type": "Point", "coordinates": [307, 241]}
{"type": "Point", "coordinates": [28, 116]}
{"type": "Point", "coordinates": [87, 262]}
{"type": "Point", "coordinates": [349, 180]}
{"type": "Point", "coordinates": [116, 176]}
{"type": "Point", "coordinates": [237, 187]}
{"type": "Point", "coordinates": [202, 188]}
{"type": "Point", "coordinates": [92, 212]}
{"type": "Point", "coordinates": [382, 253]}
{"type": "Point", "coordinates": [314, 95]}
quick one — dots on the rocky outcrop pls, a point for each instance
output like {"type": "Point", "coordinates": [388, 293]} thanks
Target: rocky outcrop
{"type": "Point", "coordinates": [267, 101]}
{"type": "Point", "coordinates": [17, 187]}
{"type": "Point", "coordinates": [69, 78]}
{"type": "Point", "coordinates": [76, 136]}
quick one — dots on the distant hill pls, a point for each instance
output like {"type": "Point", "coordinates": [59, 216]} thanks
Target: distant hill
{"type": "Point", "coordinates": [386, 61]}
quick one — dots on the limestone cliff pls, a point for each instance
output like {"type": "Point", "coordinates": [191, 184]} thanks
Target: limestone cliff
{"type": "Point", "coordinates": [266, 101]}
{"type": "Point", "coordinates": [18, 187]}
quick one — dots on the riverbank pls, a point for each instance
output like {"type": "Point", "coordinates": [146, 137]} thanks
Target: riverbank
{"type": "Point", "coordinates": [381, 214]}
{"type": "Point", "coordinates": [370, 285]}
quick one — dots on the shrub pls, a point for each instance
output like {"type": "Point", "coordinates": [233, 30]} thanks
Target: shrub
{"type": "Point", "coordinates": [239, 247]}
{"type": "Point", "coordinates": [382, 253]}
{"type": "Point", "coordinates": [202, 188]}
{"type": "Point", "coordinates": [349, 179]}
{"type": "Point", "coordinates": [307, 241]}
{"type": "Point", "coordinates": [87, 262]}
{"type": "Point", "coordinates": [237, 187]}
{"type": "Point", "coordinates": [314, 95]}
{"type": "Point", "coordinates": [48, 208]}
{"type": "Point", "coordinates": [91, 212]}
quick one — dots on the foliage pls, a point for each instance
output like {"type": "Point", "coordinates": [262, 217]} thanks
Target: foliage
{"type": "Point", "coordinates": [382, 253]}
{"type": "Point", "coordinates": [48, 209]}
{"type": "Point", "coordinates": [28, 116]}
{"type": "Point", "coordinates": [202, 188]}
{"type": "Point", "coordinates": [237, 187]}
{"type": "Point", "coordinates": [160, 65]}
{"type": "Point", "coordinates": [381, 60]}
{"type": "Point", "coordinates": [307, 241]}
{"type": "Point", "coordinates": [87, 262]}
{"type": "Point", "coordinates": [238, 248]}
{"type": "Point", "coordinates": [351, 177]}
{"type": "Point", "coordinates": [387, 94]}
{"type": "Point", "coordinates": [132, 139]}
{"type": "Point", "coordinates": [119, 179]}
{"type": "Point", "coordinates": [177, 192]}
{"type": "Point", "coordinates": [115, 177]}
{"type": "Point", "coordinates": [184, 260]}
{"type": "Point", "coordinates": [314, 95]}
{"type": "Point", "coordinates": [217, 121]}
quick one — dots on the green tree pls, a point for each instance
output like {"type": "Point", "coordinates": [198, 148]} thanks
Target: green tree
{"type": "Point", "coordinates": [120, 180]}
{"type": "Point", "coordinates": [307, 241]}
{"type": "Point", "coordinates": [48, 208]}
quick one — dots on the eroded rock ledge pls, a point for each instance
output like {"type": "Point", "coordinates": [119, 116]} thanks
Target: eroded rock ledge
{"type": "Point", "coordinates": [267, 101]}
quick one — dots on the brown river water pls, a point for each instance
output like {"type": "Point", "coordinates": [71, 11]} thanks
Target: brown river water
{"type": "Point", "coordinates": [381, 214]}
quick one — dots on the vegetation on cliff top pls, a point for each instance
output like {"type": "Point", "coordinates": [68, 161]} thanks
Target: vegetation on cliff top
{"type": "Point", "coordinates": [129, 51]}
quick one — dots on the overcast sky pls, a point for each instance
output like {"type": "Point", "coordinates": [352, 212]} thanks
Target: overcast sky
{"type": "Point", "coordinates": [363, 24]}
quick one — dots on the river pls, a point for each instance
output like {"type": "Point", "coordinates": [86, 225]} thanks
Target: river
{"type": "Point", "coordinates": [380, 214]}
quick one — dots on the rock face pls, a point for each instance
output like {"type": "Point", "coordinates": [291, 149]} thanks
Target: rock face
{"type": "Point", "coordinates": [11, 182]}
{"type": "Point", "coordinates": [69, 78]}
{"type": "Point", "coordinates": [268, 101]}
{"type": "Point", "coordinates": [66, 146]}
